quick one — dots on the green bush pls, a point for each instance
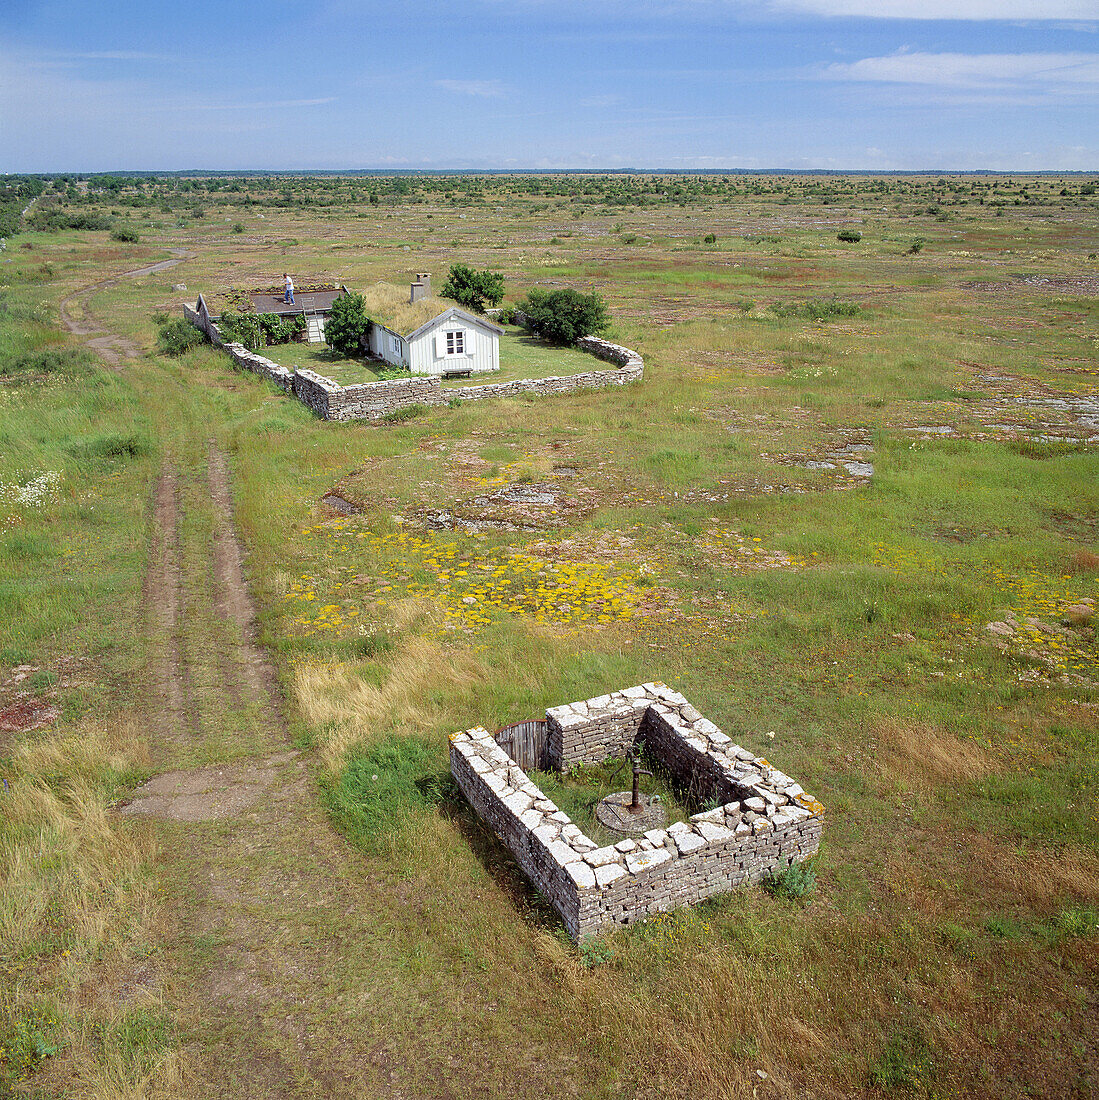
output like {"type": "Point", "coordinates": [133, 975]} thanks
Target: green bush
{"type": "Point", "coordinates": [917, 244]}
{"type": "Point", "coordinates": [473, 289]}
{"type": "Point", "coordinates": [125, 233]}
{"type": "Point", "coordinates": [281, 330]}
{"type": "Point", "coordinates": [109, 448]}
{"type": "Point", "coordinates": [853, 236]}
{"type": "Point", "coordinates": [45, 363]}
{"type": "Point", "coordinates": [347, 324]}
{"type": "Point", "coordinates": [177, 336]}
{"type": "Point", "coordinates": [794, 881]}
{"type": "Point", "coordinates": [506, 316]}
{"type": "Point", "coordinates": [243, 328]}
{"type": "Point", "coordinates": [710, 238]}
{"type": "Point", "coordinates": [53, 221]}
{"type": "Point", "coordinates": [564, 316]}
{"type": "Point", "coordinates": [237, 228]}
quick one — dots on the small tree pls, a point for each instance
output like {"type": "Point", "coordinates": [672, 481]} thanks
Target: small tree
{"type": "Point", "coordinates": [348, 322]}
{"type": "Point", "coordinates": [473, 289]}
{"type": "Point", "coordinates": [563, 316]}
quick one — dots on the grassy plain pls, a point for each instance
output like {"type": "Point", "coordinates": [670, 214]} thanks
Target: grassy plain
{"type": "Point", "coordinates": [833, 620]}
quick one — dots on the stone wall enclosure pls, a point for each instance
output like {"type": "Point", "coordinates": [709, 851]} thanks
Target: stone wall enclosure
{"type": "Point", "coordinates": [763, 820]}
{"type": "Point", "coordinates": [377, 400]}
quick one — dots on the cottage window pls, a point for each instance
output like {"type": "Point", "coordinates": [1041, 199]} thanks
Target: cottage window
{"type": "Point", "coordinates": [455, 343]}
{"type": "Point", "coordinates": [397, 345]}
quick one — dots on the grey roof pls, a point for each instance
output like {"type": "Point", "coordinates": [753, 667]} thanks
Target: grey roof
{"type": "Point", "coordinates": [456, 314]}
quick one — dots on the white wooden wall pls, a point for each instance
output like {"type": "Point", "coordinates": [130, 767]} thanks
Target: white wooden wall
{"type": "Point", "coordinates": [427, 354]}
{"type": "Point", "coordinates": [384, 344]}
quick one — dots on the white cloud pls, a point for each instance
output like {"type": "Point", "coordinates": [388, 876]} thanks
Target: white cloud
{"type": "Point", "coordinates": [485, 89]}
{"type": "Point", "coordinates": [1050, 74]}
{"type": "Point", "coordinates": [946, 9]}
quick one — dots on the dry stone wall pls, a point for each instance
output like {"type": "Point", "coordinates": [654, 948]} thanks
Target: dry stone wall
{"type": "Point", "coordinates": [765, 821]}
{"type": "Point", "coordinates": [377, 400]}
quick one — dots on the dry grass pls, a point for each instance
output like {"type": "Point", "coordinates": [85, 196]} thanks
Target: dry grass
{"type": "Point", "coordinates": [1038, 877]}
{"type": "Point", "coordinates": [389, 304]}
{"type": "Point", "coordinates": [352, 712]}
{"type": "Point", "coordinates": [67, 855]}
{"type": "Point", "coordinates": [926, 754]}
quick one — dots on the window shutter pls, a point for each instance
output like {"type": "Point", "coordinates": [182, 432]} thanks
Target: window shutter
{"type": "Point", "coordinates": [440, 345]}
{"type": "Point", "coordinates": [467, 341]}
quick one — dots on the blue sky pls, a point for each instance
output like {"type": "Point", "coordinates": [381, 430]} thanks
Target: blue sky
{"type": "Point", "coordinates": [87, 85]}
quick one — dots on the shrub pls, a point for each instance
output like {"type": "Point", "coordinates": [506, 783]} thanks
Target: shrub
{"type": "Point", "coordinates": [347, 324]}
{"type": "Point", "coordinates": [280, 330]}
{"type": "Point", "coordinates": [243, 328]}
{"type": "Point", "coordinates": [564, 316]}
{"type": "Point", "coordinates": [473, 289]}
{"type": "Point", "coordinates": [125, 233]}
{"type": "Point", "coordinates": [237, 228]}
{"type": "Point", "coordinates": [853, 236]}
{"type": "Point", "coordinates": [33, 365]}
{"type": "Point", "coordinates": [177, 336]}
{"type": "Point", "coordinates": [916, 246]}
{"type": "Point", "coordinates": [795, 881]}
{"type": "Point", "coordinates": [101, 450]}
{"type": "Point", "coordinates": [710, 238]}
{"type": "Point", "coordinates": [506, 316]}
{"type": "Point", "coordinates": [53, 221]}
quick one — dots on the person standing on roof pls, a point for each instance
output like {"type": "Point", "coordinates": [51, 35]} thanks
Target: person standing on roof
{"type": "Point", "coordinates": [288, 297]}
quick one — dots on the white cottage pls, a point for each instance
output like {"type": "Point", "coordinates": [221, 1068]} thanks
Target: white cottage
{"type": "Point", "coordinates": [427, 335]}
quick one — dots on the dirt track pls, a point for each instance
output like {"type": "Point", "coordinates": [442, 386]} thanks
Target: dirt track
{"type": "Point", "coordinates": [111, 348]}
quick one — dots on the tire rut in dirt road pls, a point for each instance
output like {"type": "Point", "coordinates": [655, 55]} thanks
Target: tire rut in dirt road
{"type": "Point", "coordinates": [164, 599]}
{"type": "Point", "coordinates": [252, 870]}
{"type": "Point", "coordinates": [233, 596]}
{"type": "Point", "coordinates": [111, 348]}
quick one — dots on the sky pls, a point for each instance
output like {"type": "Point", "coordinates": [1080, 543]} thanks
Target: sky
{"type": "Point", "coordinates": [937, 85]}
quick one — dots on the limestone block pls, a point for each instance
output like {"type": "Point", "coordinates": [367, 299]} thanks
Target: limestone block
{"type": "Point", "coordinates": [677, 828]}
{"type": "Point", "coordinates": [755, 804]}
{"type": "Point", "coordinates": [607, 873]}
{"type": "Point", "coordinates": [582, 875]}
{"type": "Point", "coordinates": [518, 802]}
{"type": "Point", "coordinates": [637, 862]}
{"type": "Point", "coordinates": [562, 853]}
{"type": "Point", "coordinates": [713, 832]}
{"type": "Point", "coordinates": [547, 834]}
{"type": "Point", "coordinates": [689, 842]}
{"type": "Point", "coordinates": [657, 836]}
{"type": "Point", "coordinates": [532, 819]}
{"type": "Point", "coordinates": [626, 845]}
{"type": "Point", "coordinates": [716, 816]}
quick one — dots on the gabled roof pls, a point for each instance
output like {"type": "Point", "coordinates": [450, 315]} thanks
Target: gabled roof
{"type": "Point", "coordinates": [456, 314]}
{"type": "Point", "coordinates": [389, 306]}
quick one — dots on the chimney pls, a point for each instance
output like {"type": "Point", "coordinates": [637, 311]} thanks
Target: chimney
{"type": "Point", "coordinates": [421, 288]}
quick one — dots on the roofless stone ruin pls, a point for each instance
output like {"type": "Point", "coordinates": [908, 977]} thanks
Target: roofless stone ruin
{"type": "Point", "coordinates": [761, 822]}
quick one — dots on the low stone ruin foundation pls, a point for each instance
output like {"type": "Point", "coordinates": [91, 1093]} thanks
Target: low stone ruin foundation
{"type": "Point", "coordinates": [763, 822]}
